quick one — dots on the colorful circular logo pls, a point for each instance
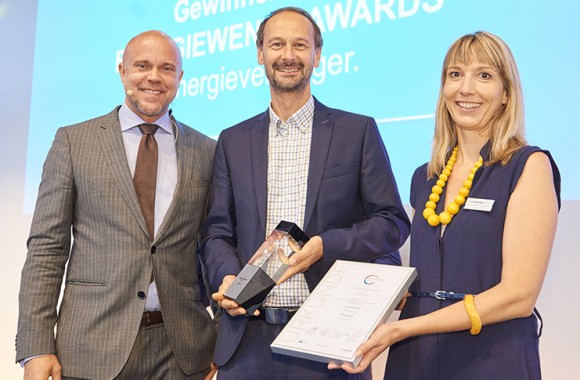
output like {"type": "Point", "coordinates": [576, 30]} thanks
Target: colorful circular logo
{"type": "Point", "coordinates": [370, 279]}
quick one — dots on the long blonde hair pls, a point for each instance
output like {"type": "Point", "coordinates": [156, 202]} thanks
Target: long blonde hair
{"type": "Point", "coordinates": [506, 129]}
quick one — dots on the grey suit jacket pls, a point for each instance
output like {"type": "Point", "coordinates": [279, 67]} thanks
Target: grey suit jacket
{"type": "Point", "coordinates": [87, 193]}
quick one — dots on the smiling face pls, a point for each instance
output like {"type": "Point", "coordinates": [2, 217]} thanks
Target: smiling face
{"type": "Point", "coordinates": [288, 53]}
{"type": "Point", "coordinates": [150, 72]}
{"type": "Point", "coordinates": [474, 94]}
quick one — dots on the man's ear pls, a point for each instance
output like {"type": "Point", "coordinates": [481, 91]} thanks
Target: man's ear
{"type": "Point", "coordinates": [317, 57]}
{"type": "Point", "coordinates": [260, 56]}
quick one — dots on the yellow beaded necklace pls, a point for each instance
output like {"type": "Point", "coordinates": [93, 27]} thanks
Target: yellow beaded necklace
{"type": "Point", "coordinates": [452, 208]}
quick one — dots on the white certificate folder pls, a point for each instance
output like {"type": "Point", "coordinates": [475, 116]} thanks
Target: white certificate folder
{"type": "Point", "coordinates": [341, 313]}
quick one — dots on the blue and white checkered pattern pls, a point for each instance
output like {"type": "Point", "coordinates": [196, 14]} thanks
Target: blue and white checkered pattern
{"type": "Point", "coordinates": [288, 162]}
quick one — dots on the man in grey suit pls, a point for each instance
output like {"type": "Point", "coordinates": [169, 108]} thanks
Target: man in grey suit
{"type": "Point", "coordinates": [131, 306]}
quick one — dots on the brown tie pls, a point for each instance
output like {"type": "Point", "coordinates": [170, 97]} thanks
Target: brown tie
{"type": "Point", "coordinates": [145, 177]}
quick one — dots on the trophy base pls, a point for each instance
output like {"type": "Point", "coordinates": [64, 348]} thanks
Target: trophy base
{"type": "Point", "coordinates": [250, 288]}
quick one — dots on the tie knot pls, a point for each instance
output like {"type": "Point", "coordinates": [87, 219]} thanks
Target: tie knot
{"type": "Point", "coordinates": [148, 129]}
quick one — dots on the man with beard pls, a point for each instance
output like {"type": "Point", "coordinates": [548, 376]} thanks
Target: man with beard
{"type": "Point", "coordinates": [324, 169]}
{"type": "Point", "coordinates": [131, 188]}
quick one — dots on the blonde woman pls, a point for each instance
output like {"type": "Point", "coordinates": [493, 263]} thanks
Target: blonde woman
{"type": "Point", "coordinates": [485, 213]}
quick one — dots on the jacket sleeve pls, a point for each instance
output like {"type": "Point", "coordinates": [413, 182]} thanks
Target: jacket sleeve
{"type": "Point", "coordinates": [218, 248]}
{"type": "Point", "coordinates": [49, 246]}
{"type": "Point", "coordinates": [382, 226]}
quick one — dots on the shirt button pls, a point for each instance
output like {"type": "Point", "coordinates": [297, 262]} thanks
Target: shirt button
{"type": "Point", "coordinates": [141, 294]}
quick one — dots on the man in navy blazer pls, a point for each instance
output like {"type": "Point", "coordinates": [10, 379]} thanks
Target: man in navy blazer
{"type": "Point", "coordinates": [324, 169]}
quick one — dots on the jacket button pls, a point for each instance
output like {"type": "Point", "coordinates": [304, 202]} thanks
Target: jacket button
{"type": "Point", "coordinates": [153, 249]}
{"type": "Point", "coordinates": [141, 294]}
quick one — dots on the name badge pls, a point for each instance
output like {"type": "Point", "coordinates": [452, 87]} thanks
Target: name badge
{"type": "Point", "coordinates": [479, 204]}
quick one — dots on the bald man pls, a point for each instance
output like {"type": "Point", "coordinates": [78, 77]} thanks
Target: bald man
{"type": "Point", "coordinates": [131, 305]}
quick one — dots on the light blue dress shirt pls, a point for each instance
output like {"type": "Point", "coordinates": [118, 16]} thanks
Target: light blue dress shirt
{"type": "Point", "coordinates": [166, 170]}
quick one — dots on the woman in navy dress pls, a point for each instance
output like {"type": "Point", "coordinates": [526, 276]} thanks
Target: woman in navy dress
{"type": "Point", "coordinates": [485, 213]}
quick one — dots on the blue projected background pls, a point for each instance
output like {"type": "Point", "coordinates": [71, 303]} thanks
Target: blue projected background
{"type": "Point", "coordinates": [380, 58]}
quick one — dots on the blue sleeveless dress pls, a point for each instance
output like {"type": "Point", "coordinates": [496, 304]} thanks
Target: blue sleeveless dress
{"type": "Point", "coordinates": [467, 259]}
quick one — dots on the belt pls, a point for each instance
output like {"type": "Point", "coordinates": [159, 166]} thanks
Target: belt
{"type": "Point", "coordinates": [440, 295]}
{"type": "Point", "coordinates": [151, 318]}
{"type": "Point", "coordinates": [276, 315]}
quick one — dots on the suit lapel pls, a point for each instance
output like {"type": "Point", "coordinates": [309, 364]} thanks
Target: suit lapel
{"type": "Point", "coordinates": [320, 146]}
{"type": "Point", "coordinates": [259, 147]}
{"type": "Point", "coordinates": [112, 144]}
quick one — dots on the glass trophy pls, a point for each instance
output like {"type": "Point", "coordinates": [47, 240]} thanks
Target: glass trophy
{"type": "Point", "coordinates": [265, 268]}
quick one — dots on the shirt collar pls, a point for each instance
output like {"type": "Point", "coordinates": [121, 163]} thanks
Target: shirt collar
{"type": "Point", "coordinates": [302, 119]}
{"type": "Point", "coordinates": [129, 119]}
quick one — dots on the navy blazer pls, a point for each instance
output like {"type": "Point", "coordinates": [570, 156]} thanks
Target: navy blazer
{"type": "Point", "coordinates": [352, 201]}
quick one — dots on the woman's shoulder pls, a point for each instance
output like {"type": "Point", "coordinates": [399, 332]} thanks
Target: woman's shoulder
{"type": "Point", "coordinates": [421, 171]}
{"type": "Point", "coordinates": [536, 162]}
{"type": "Point", "coordinates": [522, 158]}
{"type": "Point", "coordinates": [527, 150]}
{"type": "Point", "coordinates": [418, 182]}
{"type": "Point", "coordinates": [420, 176]}
{"type": "Point", "coordinates": [539, 162]}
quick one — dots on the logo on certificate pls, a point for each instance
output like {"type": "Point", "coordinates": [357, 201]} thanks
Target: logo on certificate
{"type": "Point", "coordinates": [370, 279]}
